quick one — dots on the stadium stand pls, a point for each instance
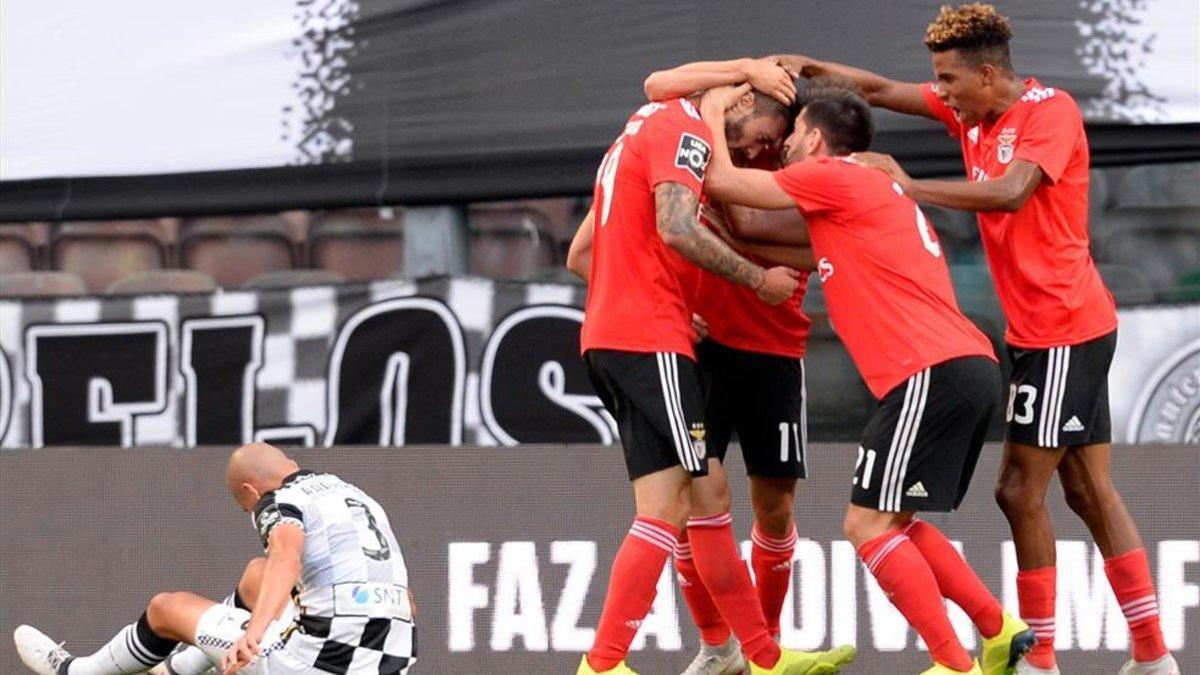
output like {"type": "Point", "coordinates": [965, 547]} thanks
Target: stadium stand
{"type": "Point", "coordinates": [100, 253]}
{"type": "Point", "coordinates": [1145, 224]}
{"type": "Point", "coordinates": [233, 251]}
{"type": "Point", "coordinates": [290, 278]}
{"type": "Point", "coordinates": [358, 245]}
{"type": "Point", "coordinates": [163, 281]}
{"type": "Point", "coordinates": [23, 246]}
{"type": "Point", "coordinates": [510, 242]}
{"type": "Point", "coordinates": [41, 284]}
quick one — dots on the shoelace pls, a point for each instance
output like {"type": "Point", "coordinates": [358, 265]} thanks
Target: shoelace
{"type": "Point", "coordinates": [57, 655]}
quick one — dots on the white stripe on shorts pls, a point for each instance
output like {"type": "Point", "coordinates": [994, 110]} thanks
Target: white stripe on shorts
{"type": "Point", "coordinates": [907, 425]}
{"type": "Point", "coordinates": [668, 374]}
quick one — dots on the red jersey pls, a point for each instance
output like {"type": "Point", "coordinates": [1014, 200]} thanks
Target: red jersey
{"type": "Point", "coordinates": [636, 301]}
{"type": "Point", "coordinates": [738, 318]}
{"type": "Point", "coordinates": [1049, 288]}
{"type": "Point", "coordinates": [886, 283]}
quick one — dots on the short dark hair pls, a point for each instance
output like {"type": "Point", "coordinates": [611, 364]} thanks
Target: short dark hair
{"type": "Point", "coordinates": [977, 31]}
{"type": "Point", "coordinates": [765, 104]}
{"type": "Point", "coordinates": [843, 116]}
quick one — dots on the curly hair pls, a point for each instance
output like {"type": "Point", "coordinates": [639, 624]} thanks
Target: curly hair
{"type": "Point", "coordinates": [976, 30]}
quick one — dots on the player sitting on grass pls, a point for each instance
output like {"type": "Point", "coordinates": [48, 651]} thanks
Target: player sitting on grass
{"type": "Point", "coordinates": [323, 537]}
{"type": "Point", "coordinates": [935, 375]}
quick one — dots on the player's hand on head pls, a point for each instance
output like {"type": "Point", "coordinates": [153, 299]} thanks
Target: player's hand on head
{"type": "Point", "coordinates": [793, 63]}
{"type": "Point", "coordinates": [778, 284]}
{"type": "Point", "coordinates": [719, 99]}
{"type": "Point", "coordinates": [771, 78]}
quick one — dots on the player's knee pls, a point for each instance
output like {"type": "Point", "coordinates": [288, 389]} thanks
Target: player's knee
{"type": "Point", "coordinates": [159, 609]}
{"type": "Point", "coordinates": [856, 527]}
{"type": "Point", "coordinates": [774, 517]}
{"type": "Point", "coordinates": [1015, 496]}
{"type": "Point", "coordinates": [250, 581]}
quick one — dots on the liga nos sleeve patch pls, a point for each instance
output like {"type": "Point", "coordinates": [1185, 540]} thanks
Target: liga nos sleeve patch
{"type": "Point", "coordinates": [693, 154]}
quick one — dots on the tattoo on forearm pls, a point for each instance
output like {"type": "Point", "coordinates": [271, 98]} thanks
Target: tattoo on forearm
{"type": "Point", "coordinates": [675, 209]}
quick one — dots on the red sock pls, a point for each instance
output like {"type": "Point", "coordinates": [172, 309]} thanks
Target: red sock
{"type": "Point", "coordinates": [1036, 590]}
{"type": "Point", "coordinates": [728, 582]}
{"type": "Point", "coordinates": [904, 575]}
{"type": "Point", "coordinates": [772, 562]}
{"type": "Point", "coordinates": [1129, 575]}
{"type": "Point", "coordinates": [713, 629]}
{"type": "Point", "coordinates": [957, 581]}
{"type": "Point", "coordinates": [631, 589]}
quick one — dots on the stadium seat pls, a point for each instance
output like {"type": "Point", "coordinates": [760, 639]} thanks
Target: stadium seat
{"type": "Point", "coordinates": [358, 246]}
{"type": "Point", "coordinates": [1127, 284]}
{"type": "Point", "coordinates": [290, 278]}
{"type": "Point", "coordinates": [22, 246]}
{"type": "Point", "coordinates": [1160, 186]}
{"type": "Point", "coordinates": [41, 284]}
{"type": "Point", "coordinates": [509, 243]}
{"type": "Point", "coordinates": [234, 250]}
{"type": "Point", "coordinates": [102, 252]}
{"type": "Point", "coordinates": [839, 403]}
{"type": "Point", "coordinates": [163, 281]}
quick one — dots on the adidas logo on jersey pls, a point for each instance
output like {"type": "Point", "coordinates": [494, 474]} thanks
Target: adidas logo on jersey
{"type": "Point", "coordinates": [917, 490]}
{"type": "Point", "coordinates": [1073, 424]}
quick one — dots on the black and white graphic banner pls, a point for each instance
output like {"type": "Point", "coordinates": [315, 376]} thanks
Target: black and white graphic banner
{"type": "Point", "coordinates": [386, 91]}
{"type": "Point", "coordinates": [441, 361]}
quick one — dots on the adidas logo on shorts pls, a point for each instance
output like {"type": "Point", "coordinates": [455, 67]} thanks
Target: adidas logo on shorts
{"type": "Point", "coordinates": [917, 490]}
{"type": "Point", "coordinates": [1073, 424]}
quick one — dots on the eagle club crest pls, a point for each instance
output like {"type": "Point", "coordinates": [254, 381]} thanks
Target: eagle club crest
{"type": "Point", "coordinates": [1008, 143]}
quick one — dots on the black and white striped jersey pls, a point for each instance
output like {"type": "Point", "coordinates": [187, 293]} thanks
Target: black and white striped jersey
{"type": "Point", "coordinates": [355, 615]}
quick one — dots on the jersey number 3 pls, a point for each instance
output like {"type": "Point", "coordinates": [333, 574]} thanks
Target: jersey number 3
{"type": "Point", "coordinates": [374, 544]}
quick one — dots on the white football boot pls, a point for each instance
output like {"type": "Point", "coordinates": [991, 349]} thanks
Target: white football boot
{"type": "Point", "coordinates": [37, 651]}
{"type": "Point", "coordinates": [1163, 666]}
{"type": "Point", "coordinates": [1026, 668]}
{"type": "Point", "coordinates": [724, 660]}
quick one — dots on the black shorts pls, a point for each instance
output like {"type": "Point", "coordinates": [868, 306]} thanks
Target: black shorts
{"type": "Point", "coordinates": [1058, 397]}
{"type": "Point", "coordinates": [658, 405]}
{"type": "Point", "coordinates": [761, 398]}
{"type": "Point", "coordinates": [919, 451]}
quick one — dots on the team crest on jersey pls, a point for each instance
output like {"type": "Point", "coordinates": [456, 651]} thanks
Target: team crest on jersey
{"type": "Point", "coordinates": [825, 269]}
{"type": "Point", "coordinates": [1008, 144]}
{"type": "Point", "coordinates": [693, 154]}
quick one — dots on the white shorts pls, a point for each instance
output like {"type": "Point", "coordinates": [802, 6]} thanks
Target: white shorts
{"type": "Point", "coordinates": [284, 652]}
{"type": "Point", "coordinates": [221, 626]}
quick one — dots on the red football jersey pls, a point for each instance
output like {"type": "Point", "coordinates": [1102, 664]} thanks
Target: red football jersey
{"type": "Point", "coordinates": [1048, 285]}
{"type": "Point", "coordinates": [738, 318]}
{"type": "Point", "coordinates": [886, 283]}
{"type": "Point", "coordinates": [636, 301]}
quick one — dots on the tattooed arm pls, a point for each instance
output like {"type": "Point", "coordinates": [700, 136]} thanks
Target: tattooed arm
{"type": "Point", "coordinates": [675, 210]}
